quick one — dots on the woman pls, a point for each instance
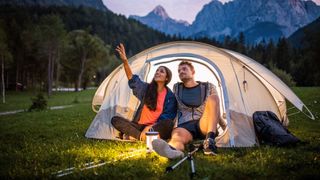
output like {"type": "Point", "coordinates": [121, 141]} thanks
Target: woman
{"type": "Point", "coordinates": [158, 105]}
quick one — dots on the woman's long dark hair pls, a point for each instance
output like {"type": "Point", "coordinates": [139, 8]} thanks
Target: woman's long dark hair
{"type": "Point", "coordinates": [150, 99]}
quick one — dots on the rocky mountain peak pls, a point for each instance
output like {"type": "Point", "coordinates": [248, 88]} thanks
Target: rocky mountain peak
{"type": "Point", "coordinates": [159, 19]}
{"type": "Point", "coordinates": [258, 19]}
{"type": "Point", "coordinates": [159, 11]}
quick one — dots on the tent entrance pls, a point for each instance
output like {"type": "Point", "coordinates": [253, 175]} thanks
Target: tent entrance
{"type": "Point", "coordinates": [203, 72]}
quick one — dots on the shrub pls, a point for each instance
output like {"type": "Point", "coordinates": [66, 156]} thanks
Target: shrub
{"type": "Point", "coordinates": [283, 75]}
{"type": "Point", "coordinates": [39, 103]}
{"type": "Point", "coordinates": [75, 100]}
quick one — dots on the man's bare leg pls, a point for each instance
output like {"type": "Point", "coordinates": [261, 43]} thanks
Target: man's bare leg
{"type": "Point", "coordinates": [211, 115]}
{"type": "Point", "coordinates": [208, 124]}
{"type": "Point", "coordinates": [179, 138]}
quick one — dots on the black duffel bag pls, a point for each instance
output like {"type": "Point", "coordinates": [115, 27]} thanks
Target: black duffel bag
{"type": "Point", "coordinates": [270, 131]}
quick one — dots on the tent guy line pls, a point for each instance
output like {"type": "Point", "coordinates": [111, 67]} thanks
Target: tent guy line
{"type": "Point", "coordinates": [91, 165]}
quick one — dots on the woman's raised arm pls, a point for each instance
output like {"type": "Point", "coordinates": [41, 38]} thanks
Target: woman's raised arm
{"type": "Point", "coordinates": [122, 53]}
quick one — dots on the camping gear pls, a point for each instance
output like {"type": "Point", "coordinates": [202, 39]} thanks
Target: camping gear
{"type": "Point", "coordinates": [193, 148]}
{"type": "Point", "coordinates": [243, 85]}
{"type": "Point", "coordinates": [270, 131]}
{"type": "Point", "coordinates": [150, 136]}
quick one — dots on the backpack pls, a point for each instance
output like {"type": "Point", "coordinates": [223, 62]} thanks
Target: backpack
{"type": "Point", "coordinates": [270, 130]}
{"type": "Point", "coordinates": [203, 85]}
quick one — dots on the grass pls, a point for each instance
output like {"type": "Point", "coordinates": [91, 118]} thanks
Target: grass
{"type": "Point", "coordinates": [22, 100]}
{"type": "Point", "coordinates": [37, 144]}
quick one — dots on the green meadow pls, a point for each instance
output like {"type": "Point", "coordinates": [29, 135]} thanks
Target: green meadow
{"type": "Point", "coordinates": [39, 144]}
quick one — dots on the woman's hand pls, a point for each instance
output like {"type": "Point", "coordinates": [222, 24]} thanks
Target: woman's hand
{"type": "Point", "coordinates": [143, 133]}
{"type": "Point", "coordinates": [122, 53]}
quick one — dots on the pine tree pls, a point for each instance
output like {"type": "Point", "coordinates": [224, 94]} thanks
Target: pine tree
{"type": "Point", "coordinates": [282, 57]}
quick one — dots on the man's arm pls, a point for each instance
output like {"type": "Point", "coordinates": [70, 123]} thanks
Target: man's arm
{"type": "Point", "coordinates": [212, 89]}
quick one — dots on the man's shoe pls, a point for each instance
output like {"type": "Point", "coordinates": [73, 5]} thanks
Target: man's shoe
{"type": "Point", "coordinates": [163, 149]}
{"type": "Point", "coordinates": [209, 147]}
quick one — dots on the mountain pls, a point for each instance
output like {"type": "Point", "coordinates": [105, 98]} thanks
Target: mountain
{"type": "Point", "coordinates": [97, 4]}
{"type": "Point", "coordinates": [307, 43]}
{"type": "Point", "coordinates": [263, 30]}
{"type": "Point", "coordinates": [301, 38]}
{"type": "Point", "coordinates": [159, 19]}
{"type": "Point", "coordinates": [258, 19]}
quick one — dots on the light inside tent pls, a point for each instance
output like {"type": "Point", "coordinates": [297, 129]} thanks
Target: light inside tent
{"type": "Point", "coordinates": [203, 72]}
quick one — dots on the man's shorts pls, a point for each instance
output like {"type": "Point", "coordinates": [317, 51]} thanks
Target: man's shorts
{"type": "Point", "coordinates": [194, 128]}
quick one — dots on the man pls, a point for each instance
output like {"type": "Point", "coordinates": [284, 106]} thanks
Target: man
{"type": "Point", "coordinates": [198, 115]}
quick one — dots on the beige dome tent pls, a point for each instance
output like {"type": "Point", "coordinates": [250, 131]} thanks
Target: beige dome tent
{"type": "Point", "coordinates": [244, 86]}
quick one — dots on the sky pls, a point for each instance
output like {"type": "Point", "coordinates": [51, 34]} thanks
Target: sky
{"type": "Point", "coordinates": [176, 9]}
{"type": "Point", "coordinates": [188, 9]}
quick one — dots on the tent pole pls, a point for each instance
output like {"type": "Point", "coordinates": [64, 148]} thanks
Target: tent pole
{"type": "Point", "coordinates": [311, 116]}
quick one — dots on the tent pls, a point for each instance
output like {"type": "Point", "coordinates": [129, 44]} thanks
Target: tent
{"type": "Point", "coordinates": [244, 86]}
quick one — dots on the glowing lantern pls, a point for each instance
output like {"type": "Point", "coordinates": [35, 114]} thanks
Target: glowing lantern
{"type": "Point", "coordinates": [150, 136]}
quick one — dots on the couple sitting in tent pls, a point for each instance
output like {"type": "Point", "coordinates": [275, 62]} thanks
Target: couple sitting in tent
{"type": "Point", "coordinates": [196, 103]}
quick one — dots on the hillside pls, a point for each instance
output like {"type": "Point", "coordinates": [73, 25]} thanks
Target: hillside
{"type": "Point", "coordinates": [27, 57]}
{"type": "Point", "coordinates": [109, 27]}
{"type": "Point", "coordinates": [97, 4]}
{"type": "Point", "coordinates": [300, 38]}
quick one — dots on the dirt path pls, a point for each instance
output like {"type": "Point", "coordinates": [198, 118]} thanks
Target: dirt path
{"type": "Point", "coordinates": [22, 110]}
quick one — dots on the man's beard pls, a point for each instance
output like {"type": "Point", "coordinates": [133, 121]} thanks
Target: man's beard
{"type": "Point", "coordinates": [186, 79]}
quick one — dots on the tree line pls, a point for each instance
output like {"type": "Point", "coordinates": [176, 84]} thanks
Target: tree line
{"type": "Point", "coordinates": [48, 47]}
{"type": "Point", "coordinates": [48, 54]}
{"type": "Point", "coordinates": [294, 66]}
